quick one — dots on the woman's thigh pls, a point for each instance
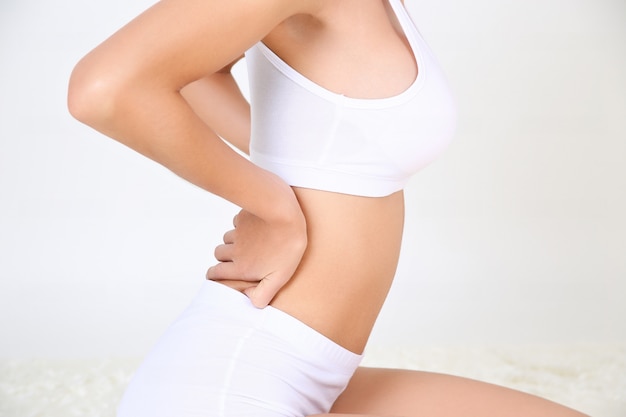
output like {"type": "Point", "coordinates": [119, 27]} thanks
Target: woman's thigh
{"type": "Point", "coordinates": [393, 392]}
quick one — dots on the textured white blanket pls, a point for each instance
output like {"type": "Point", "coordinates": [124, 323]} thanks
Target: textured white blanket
{"type": "Point", "coordinates": [591, 378]}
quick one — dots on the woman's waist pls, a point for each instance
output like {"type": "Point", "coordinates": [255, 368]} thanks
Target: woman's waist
{"type": "Point", "coordinates": [338, 288]}
{"type": "Point", "coordinates": [340, 304]}
{"type": "Point", "coordinates": [348, 266]}
{"type": "Point", "coordinates": [232, 311]}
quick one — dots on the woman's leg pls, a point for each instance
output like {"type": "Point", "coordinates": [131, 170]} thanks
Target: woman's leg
{"type": "Point", "coordinates": [391, 392]}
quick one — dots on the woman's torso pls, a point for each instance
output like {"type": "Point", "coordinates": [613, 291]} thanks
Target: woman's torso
{"type": "Point", "coordinates": [358, 49]}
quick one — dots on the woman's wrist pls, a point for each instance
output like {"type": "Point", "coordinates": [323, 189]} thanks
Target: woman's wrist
{"type": "Point", "coordinates": [279, 205]}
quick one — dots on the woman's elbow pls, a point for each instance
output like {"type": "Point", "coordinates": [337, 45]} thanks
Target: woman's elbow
{"type": "Point", "coordinates": [92, 93]}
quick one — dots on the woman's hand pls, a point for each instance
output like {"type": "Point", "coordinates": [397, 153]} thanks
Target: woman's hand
{"type": "Point", "coordinates": [263, 255]}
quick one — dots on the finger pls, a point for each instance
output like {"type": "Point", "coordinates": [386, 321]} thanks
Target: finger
{"type": "Point", "coordinates": [223, 270]}
{"type": "Point", "coordinates": [263, 293]}
{"type": "Point", "coordinates": [229, 237]}
{"type": "Point", "coordinates": [224, 253]}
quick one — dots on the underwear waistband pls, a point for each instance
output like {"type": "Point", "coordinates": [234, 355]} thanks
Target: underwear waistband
{"type": "Point", "coordinates": [234, 305]}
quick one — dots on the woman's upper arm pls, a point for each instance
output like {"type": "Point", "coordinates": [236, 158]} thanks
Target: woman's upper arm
{"type": "Point", "coordinates": [178, 41]}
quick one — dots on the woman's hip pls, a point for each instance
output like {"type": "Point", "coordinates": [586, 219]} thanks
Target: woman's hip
{"type": "Point", "coordinates": [224, 357]}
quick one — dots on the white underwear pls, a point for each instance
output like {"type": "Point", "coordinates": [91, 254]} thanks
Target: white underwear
{"type": "Point", "coordinates": [224, 357]}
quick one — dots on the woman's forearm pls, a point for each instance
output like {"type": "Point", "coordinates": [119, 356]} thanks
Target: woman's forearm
{"type": "Point", "coordinates": [218, 101]}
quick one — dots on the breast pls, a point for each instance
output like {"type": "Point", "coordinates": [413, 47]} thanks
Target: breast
{"type": "Point", "coordinates": [314, 138]}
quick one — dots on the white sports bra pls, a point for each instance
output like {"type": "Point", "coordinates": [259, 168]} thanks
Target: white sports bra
{"type": "Point", "coordinates": [314, 138]}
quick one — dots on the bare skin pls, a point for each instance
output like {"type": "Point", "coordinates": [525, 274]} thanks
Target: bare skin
{"type": "Point", "coordinates": [327, 259]}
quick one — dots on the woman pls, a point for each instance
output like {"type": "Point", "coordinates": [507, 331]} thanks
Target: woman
{"type": "Point", "coordinates": [347, 103]}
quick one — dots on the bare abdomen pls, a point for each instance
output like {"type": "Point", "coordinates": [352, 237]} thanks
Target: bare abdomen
{"type": "Point", "coordinates": [346, 272]}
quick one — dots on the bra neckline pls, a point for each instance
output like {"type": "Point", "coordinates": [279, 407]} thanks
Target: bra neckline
{"type": "Point", "coordinates": [412, 35]}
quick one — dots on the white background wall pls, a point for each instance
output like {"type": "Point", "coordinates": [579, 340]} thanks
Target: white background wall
{"type": "Point", "coordinates": [515, 236]}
